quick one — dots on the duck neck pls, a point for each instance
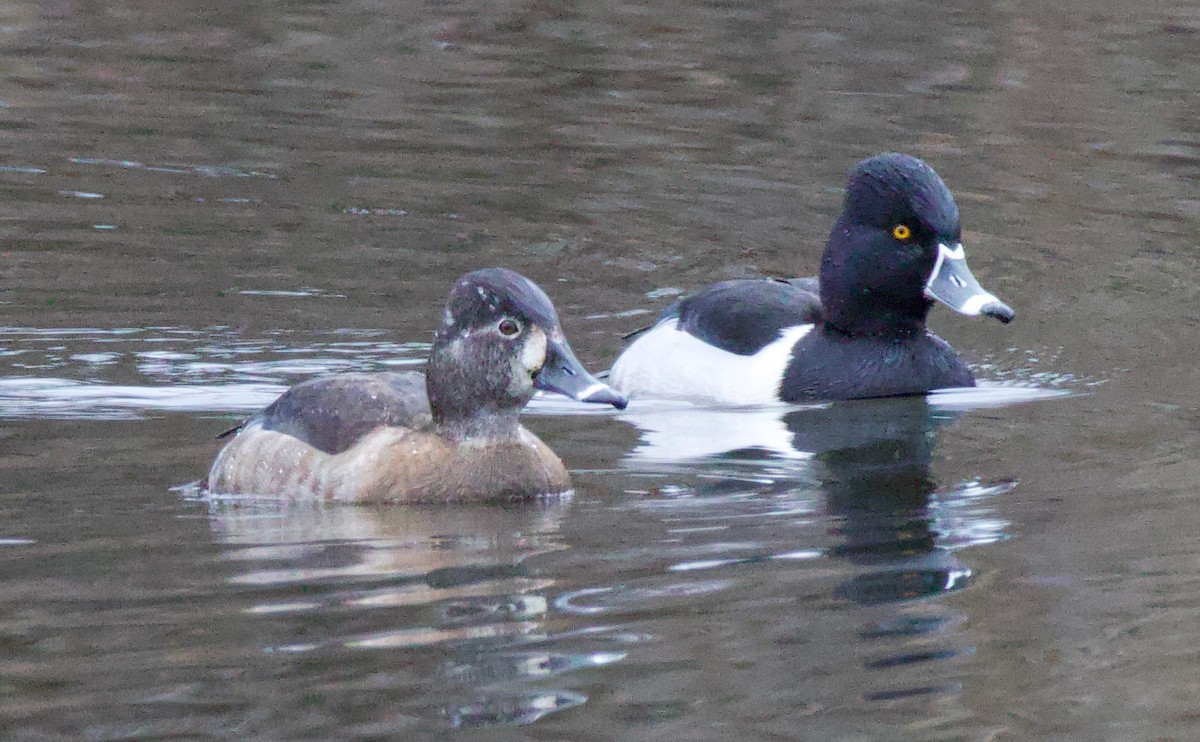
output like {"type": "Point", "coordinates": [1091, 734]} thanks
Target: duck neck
{"type": "Point", "coordinates": [874, 323]}
{"type": "Point", "coordinates": [868, 294]}
{"type": "Point", "coordinates": [483, 425]}
{"type": "Point", "coordinates": [465, 403]}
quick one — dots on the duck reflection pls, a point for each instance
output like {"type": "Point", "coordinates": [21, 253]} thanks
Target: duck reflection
{"type": "Point", "coordinates": [441, 592]}
{"type": "Point", "coordinates": [870, 462]}
{"type": "Point", "coordinates": [867, 468]}
{"type": "Point", "coordinates": [875, 462]}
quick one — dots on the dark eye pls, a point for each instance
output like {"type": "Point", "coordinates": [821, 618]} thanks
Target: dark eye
{"type": "Point", "coordinates": [509, 327]}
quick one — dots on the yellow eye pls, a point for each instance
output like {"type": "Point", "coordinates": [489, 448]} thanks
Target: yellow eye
{"type": "Point", "coordinates": [901, 232]}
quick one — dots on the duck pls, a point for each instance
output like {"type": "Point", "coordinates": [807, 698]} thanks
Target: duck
{"type": "Point", "coordinates": [855, 331]}
{"type": "Point", "coordinates": [448, 435]}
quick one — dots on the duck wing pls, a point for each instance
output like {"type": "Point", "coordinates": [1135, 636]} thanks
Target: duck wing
{"type": "Point", "coordinates": [332, 413]}
{"type": "Point", "coordinates": [809, 284]}
{"type": "Point", "coordinates": [744, 316]}
{"type": "Point", "coordinates": [744, 313]}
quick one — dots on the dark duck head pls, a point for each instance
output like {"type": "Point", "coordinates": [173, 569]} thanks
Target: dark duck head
{"type": "Point", "coordinates": [895, 249]}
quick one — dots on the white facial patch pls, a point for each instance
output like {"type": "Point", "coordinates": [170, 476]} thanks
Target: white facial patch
{"type": "Point", "coordinates": [533, 354]}
{"type": "Point", "coordinates": [667, 363]}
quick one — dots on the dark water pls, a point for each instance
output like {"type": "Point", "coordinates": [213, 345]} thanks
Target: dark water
{"type": "Point", "coordinates": [204, 202]}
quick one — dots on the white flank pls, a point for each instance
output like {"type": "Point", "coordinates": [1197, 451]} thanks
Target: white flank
{"type": "Point", "coordinates": [667, 363]}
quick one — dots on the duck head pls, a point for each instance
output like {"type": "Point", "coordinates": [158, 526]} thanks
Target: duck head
{"type": "Point", "coordinates": [500, 340]}
{"type": "Point", "coordinates": [896, 249]}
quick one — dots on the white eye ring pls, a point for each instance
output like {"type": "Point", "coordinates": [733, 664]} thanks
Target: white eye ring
{"type": "Point", "coordinates": [508, 327]}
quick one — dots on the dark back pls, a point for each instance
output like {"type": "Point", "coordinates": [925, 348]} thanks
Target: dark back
{"type": "Point", "coordinates": [333, 413]}
{"type": "Point", "coordinates": [744, 316]}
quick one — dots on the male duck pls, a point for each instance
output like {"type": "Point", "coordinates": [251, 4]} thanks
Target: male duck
{"type": "Point", "coordinates": [451, 436]}
{"type": "Point", "coordinates": [857, 331]}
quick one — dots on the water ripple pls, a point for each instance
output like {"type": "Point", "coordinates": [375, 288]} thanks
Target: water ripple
{"type": "Point", "coordinates": [211, 171]}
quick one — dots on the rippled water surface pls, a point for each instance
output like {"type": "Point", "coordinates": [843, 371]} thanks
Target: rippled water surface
{"type": "Point", "coordinates": [206, 202]}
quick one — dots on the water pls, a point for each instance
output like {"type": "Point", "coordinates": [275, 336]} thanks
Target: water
{"type": "Point", "coordinates": [206, 202]}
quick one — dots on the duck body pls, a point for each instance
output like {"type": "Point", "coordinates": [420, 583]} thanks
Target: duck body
{"type": "Point", "coordinates": [856, 331]}
{"type": "Point", "coordinates": [449, 435]}
{"type": "Point", "coordinates": [827, 364]}
{"type": "Point", "coordinates": [758, 342]}
{"type": "Point", "coordinates": [391, 463]}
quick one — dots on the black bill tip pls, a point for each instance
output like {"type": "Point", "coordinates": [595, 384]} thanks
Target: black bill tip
{"type": "Point", "coordinates": [602, 393]}
{"type": "Point", "coordinates": [998, 310]}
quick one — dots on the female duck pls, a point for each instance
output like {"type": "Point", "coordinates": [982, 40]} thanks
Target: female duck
{"type": "Point", "coordinates": [857, 331]}
{"type": "Point", "coordinates": [451, 436]}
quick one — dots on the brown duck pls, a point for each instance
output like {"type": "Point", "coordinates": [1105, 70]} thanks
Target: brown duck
{"type": "Point", "coordinates": [451, 434]}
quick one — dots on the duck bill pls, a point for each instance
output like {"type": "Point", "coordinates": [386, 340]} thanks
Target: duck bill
{"type": "Point", "coordinates": [952, 284]}
{"type": "Point", "coordinates": [564, 374]}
